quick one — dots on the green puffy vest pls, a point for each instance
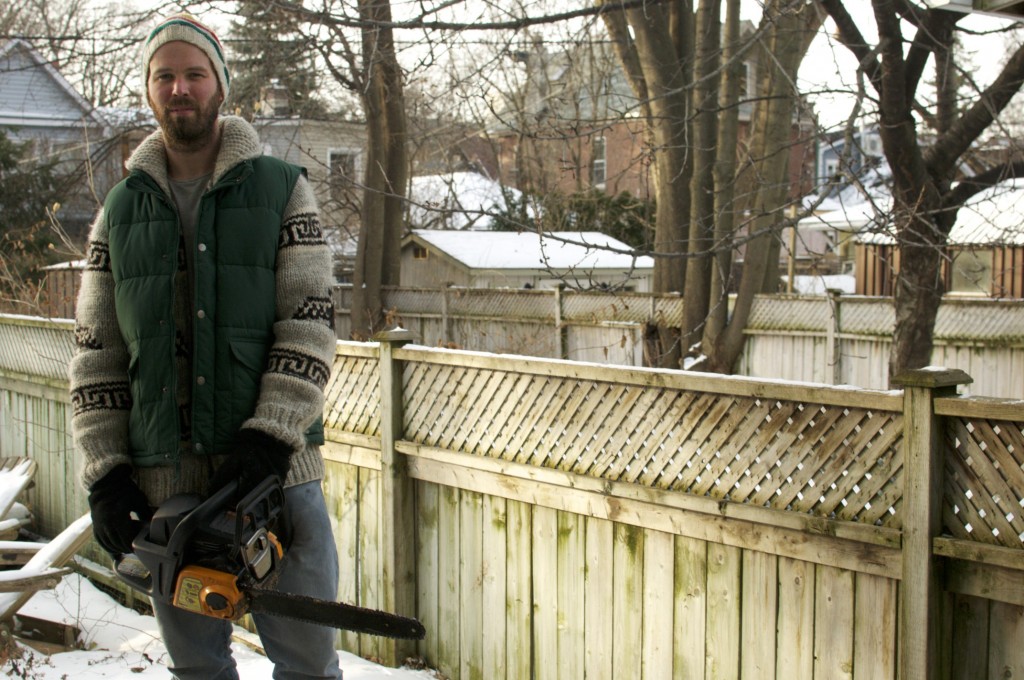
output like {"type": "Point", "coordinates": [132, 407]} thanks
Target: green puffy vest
{"type": "Point", "coordinates": [237, 233]}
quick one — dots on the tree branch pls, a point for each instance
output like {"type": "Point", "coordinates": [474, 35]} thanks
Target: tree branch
{"type": "Point", "coordinates": [941, 157]}
{"type": "Point", "coordinates": [975, 185]}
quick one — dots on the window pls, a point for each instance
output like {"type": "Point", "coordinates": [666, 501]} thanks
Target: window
{"type": "Point", "coordinates": [597, 162]}
{"type": "Point", "coordinates": [972, 272]}
{"type": "Point", "coordinates": [341, 172]}
{"type": "Point", "coordinates": [419, 253]}
{"type": "Point", "coordinates": [744, 76]}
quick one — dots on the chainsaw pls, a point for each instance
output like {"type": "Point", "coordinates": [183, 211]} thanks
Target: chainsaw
{"type": "Point", "coordinates": [221, 559]}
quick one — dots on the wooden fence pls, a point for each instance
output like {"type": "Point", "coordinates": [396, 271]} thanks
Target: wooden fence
{"type": "Point", "coordinates": [548, 519]}
{"type": "Point", "coordinates": [837, 340]}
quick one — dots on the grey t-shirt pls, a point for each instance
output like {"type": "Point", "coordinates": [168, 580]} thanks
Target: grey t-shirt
{"type": "Point", "coordinates": [187, 195]}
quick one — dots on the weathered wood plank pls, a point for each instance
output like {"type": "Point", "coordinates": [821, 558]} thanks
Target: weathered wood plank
{"type": "Point", "coordinates": [713, 527]}
{"type": "Point", "coordinates": [519, 602]}
{"type": "Point", "coordinates": [597, 593]}
{"type": "Point", "coordinates": [759, 611]}
{"type": "Point", "coordinates": [427, 576]}
{"type": "Point", "coordinates": [1006, 630]}
{"type": "Point", "coordinates": [690, 605]}
{"type": "Point", "coordinates": [993, 555]}
{"type": "Point", "coordinates": [571, 602]}
{"type": "Point", "coordinates": [341, 491]}
{"type": "Point", "coordinates": [658, 579]}
{"type": "Point", "coordinates": [833, 607]}
{"type": "Point", "coordinates": [874, 636]}
{"type": "Point", "coordinates": [495, 556]}
{"type": "Point", "coordinates": [449, 633]}
{"type": "Point", "coordinates": [370, 523]}
{"type": "Point", "coordinates": [969, 638]}
{"type": "Point", "coordinates": [698, 382]}
{"type": "Point", "coordinates": [984, 580]}
{"type": "Point", "coordinates": [628, 587]}
{"type": "Point", "coordinates": [471, 595]}
{"type": "Point", "coordinates": [545, 593]}
{"type": "Point", "coordinates": [795, 657]}
{"type": "Point", "coordinates": [722, 650]}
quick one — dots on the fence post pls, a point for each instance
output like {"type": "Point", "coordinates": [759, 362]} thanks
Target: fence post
{"type": "Point", "coordinates": [397, 531]}
{"type": "Point", "coordinates": [560, 331]}
{"type": "Point", "coordinates": [833, 355]}
{"type": "Point", "coordinates": [922, 518]}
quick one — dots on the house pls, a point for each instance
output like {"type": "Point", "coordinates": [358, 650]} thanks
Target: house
{"type": "Point", "coordinates": [577, 125]}
{"type": "Point", "coordinates": [525, 259]}
{"type": "Point", "coordinates": [39, 107]}
{"type": "Point", "coordinates": [332, 152]}
{"type": "Point", "coordinates": [984, 252]}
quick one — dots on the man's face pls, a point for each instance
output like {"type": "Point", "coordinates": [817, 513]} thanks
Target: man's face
{"type": "Point", "coordinates": [185, 95]}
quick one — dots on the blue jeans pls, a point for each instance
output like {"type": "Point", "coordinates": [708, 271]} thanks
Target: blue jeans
{"type": "Point", "coordinates": [200, 646]}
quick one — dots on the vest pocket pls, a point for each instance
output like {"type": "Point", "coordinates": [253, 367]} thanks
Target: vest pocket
{"type": "Point", "coordinates": [248, 360]}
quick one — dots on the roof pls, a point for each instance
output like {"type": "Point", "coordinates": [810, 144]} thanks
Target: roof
{"type": "Point", "coordinates": [994, 216]}
{"type": "Point", "coordinates": [457, 200]}
{"type": "Point", "coordinates": [561, 250]}
{"type": "Point", "coordinates": [38, 102]}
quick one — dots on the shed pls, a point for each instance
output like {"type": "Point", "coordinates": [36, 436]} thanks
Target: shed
{"type": "Point", "coordinates": [585, 260]}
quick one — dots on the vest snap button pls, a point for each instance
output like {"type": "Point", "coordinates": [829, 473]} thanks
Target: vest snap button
{"type": "Point", "coordinates": [202, 247]}
{"type": "Point", "coordinates": [201, 314]}
{"type": "Point", "coordinates": [200, 380]}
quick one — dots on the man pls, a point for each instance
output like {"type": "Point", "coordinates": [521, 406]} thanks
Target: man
{"type": "Point", "coordinates": [204, 338]}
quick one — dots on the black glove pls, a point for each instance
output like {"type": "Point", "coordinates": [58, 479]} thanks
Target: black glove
{"type": "Point", "coordinates": [112, 500]}
{"type": "Point", "coordinates": [255, 456]}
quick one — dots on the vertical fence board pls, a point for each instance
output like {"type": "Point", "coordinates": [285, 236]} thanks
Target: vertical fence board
{"type": "Point", "coordinates": [369, 552]}
{"type": "Point", "coordinates": [627, 642]}
{"type": "Point", "coordinates": [471, 594]}
{"type": "Point", "coordinates": [969, 636]}
{"type": "Point", "coordinates": [874, 637]}
{"type": "Point", "coordinates": [795, 658]}
{"type": "Point", "coordinates": [571, 601]}
{"type": "Point", "coordinates": [341, 490]}
{"type": "Point", "coordinates": [427, 575]}
{"type": "Point", "coordinates": [758, 622]}
{"type": "Point", "coordinates": [495, 562]}
{"type": "Point", "coordinates": [599, 614]}
{"type": "Point", "coordinates": [545, 593]}
{"type": "Point", "coordinates": [659, 573]}
{"type": "Point", "coordinates": [448, 634]}
{"type": "Point", "coordinates": [690, 597]}
{"type": "Point", "coordinates": [833, 606]}
{"type": "Point", "coordinates": [1006, 635]}
{"type": "Point", "coordinates": [519, 597]}
{"type": "Point", "coordinates": [722, 649]}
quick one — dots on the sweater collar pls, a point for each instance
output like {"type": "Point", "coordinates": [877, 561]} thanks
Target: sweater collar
{"type": "Point", "coordinates": [238, 143]}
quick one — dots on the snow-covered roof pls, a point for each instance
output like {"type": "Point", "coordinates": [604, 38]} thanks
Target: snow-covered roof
{"type": "Point", "coordinates": [561, 250]}
{"type": "Point", "coordinates": [457, 200]}
{"type": "Point", "coordinates": [993, 216]}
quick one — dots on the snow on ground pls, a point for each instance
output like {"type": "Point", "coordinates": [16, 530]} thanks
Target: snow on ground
{"type": "Point", "coordinates": [120, 644]}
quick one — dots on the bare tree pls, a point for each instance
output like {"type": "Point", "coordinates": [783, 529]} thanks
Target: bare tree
{"type": "Point", "coordinates": [925, 167]}
{"type": "Point", "coordinates": [676, 63]}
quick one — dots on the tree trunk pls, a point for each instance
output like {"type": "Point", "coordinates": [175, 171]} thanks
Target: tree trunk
{"type": "Point", "coordinates": [385, 173]}
{"type": "Point", "coordinates": [791, 29]}
{"type": "Point", "coordinates": [702, 184]}
{"type": "Point", "coordinates": [658, 60]}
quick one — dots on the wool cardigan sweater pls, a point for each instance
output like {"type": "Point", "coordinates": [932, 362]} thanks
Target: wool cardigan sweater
{"type": "Point", "coordinates": [253, 348]}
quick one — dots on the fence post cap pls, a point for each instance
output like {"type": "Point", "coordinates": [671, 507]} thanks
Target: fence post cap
{"type": "Point", "coordinates": [932, 377]}
{"type": "Point", "coordinates": [396, 334]}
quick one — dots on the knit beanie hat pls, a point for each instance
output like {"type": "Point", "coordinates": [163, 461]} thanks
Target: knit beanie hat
{"type": "Point", "coordinates": [186, 28]}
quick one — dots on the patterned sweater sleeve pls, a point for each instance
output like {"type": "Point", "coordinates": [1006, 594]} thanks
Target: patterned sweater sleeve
{"type": "Point", "coordinates": [98, 373]}
{"type": "Point", "coordinates": [292, 387]}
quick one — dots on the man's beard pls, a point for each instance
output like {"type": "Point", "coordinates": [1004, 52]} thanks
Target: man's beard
{"type": "Point", "coordinates": [188, 133]}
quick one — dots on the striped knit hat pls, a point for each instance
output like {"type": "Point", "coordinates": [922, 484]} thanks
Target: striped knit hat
{"type": "Point", "coordinates": [186, 28]}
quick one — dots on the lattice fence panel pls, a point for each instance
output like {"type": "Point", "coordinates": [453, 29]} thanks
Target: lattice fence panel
{"type": "Point", "coordinates": [984, 491]}
{"type": "Point", "coordinates": [829, 461]}
{"type": "Point", "coordinates": [595, 308]}
{"type": "Point", "coordinates": [36, 347]}
{"type": "Point", "coordinates": [350, 397]}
